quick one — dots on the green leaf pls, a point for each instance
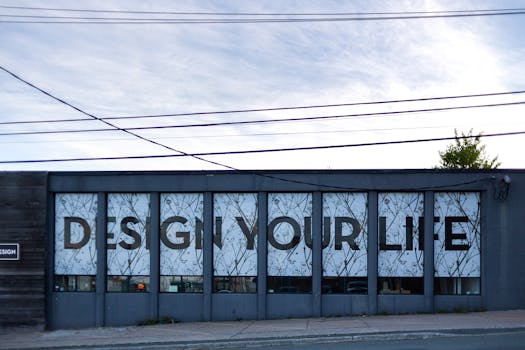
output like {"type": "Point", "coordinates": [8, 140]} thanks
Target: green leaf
{"type": "Point", "coordinates": [466, 152]}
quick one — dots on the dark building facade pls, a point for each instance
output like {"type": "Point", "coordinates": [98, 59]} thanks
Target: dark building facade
{"type": "Point", "coordinates": [119, 248]}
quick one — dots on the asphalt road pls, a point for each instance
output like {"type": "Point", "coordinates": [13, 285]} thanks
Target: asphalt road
{"type": "Point", "coordinates": [506, 340]}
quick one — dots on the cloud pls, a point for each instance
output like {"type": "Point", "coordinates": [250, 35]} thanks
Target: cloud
{"type": "Point", "coordinates": [116, 70]}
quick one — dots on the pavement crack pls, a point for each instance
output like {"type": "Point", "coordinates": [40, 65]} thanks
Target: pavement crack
{"type": "Point", "coordinates": [366, 323]}
{"type": "Point", "coordinates": [241, 330]}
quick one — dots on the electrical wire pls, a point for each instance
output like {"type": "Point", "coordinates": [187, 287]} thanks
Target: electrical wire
{"type": "Point", "coordinates": [90, 20]}
{"type": "Point", "coordinates": [261, 21]}
{"type": "Point", "coordinates": [268, 150]}
{"type": "Point", "coordinates": [199, 157]}
{"type": "Point", "coordinates": [272, 109]}
{"type": "Point", "coordinates": [270, 21]}
{"type": "Point", "coordinates": [108, 123]}
{"type": "Point", "coordinates": [262, 121]}
{"type": "Point", "coordinates": [229, 136]}
{"type": "Point", "coordinates": [252, 13]}
{"type": "Point", "coordinates": [429, 13]}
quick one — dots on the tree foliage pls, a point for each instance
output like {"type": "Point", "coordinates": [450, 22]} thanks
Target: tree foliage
{"type": "Point", "coordinates": [467, 152]}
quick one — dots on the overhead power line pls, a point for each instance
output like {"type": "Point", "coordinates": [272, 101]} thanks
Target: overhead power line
{"type": "Point", "coordinates": [229, 136]}
{"type": "Point", "coordinates": [108, 123]}
{"type": "Point", "coordinates": [268, 150]}
{"type": "Point", "coordinates": [263, 121]}
{"type": "Point", "coordinates": [384, 15]}
{"type": "Point", "coordinates": [43, 19]}
{"type": "Point", "coordinates": [260, 20]}
{"type": "Point", "coordinates": [181, 153]}
{"type": "Point", "coordinates": [198, 157]}
{"type": "Point", "coordinates": [271, 109]}
{"type": "Point", "coordinates": [253, 13]}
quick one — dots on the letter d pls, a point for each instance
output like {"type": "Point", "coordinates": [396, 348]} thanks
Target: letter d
{"type": "Point", "coordinates": [67, 232]}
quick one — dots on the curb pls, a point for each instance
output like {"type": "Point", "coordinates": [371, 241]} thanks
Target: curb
{"type": "Point", "coordinates": [283, 341]}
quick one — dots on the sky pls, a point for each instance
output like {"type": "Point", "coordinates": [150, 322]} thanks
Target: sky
{"type": "Point", "coordinates": [121, 70]}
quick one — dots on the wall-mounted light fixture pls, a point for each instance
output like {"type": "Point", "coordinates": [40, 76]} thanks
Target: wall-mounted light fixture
{"type": "Point", "coordinates": [501, 188]}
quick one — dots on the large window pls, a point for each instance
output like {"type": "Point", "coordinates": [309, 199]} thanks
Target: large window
{"type": "Point", "coordinates": [401, 243]}
{"type": "Point", "coordinates": [457, 231]}
{"type": "Point", "coordinates": [289, 243]}
{"type": "Point", "coordinates": [345, 243]}
{"type": "Point", "coordinates": [457, 227]}
{"type": "Point", "coordinates": [128, 256]}
{"type": "Point", "coordinates": [181, 232]}
{"type": "Point", "coordinates": [235, 243]}
{"type": "Point", "coordinates": [75, 243]}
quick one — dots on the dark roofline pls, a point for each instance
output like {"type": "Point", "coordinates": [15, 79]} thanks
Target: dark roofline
{"type": "Point", "coordinates": [283, 171]}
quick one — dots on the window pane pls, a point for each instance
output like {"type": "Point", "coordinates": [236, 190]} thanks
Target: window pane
{"type": "Point", "coordinates": [74, 283]}
{"type": "Point", "coordinates": [231, 284]}
{"type": "Point", "coordinates": [457, 241]}
{"type": "Point", "coordinates": [65, 283]}
{"type": "Point", "coordinates": [400, 285]}
{"type": "Point", "coordinates": [289, 284]}
{"type": "Point", "coordinates": [289, 243]}
{"type": "Point", "coordinates": [289, 234]}
{"type": "Point", "coordinates": [400, 234]}
{"type": "Point", "coordinates": [235, 242]}
{"type": "Point", "coordinates": [128, 256]}
{"type": "Point", "coordinates": [181, 234]}
{"type": "Point", "coordinates": [181, 284]}
{"type": "Point", "coordinates": [75, 244]}
{"type": "Point", "coordinates": [345, 236]}
{"type": "Point", "coordinates": [347, 285]}
{"type": "Point", "coordinates": [457, 286]}
{"type": "Point", "coordinates": [86, 283]}
{"type": "Point", "coordinates": [128, 284]}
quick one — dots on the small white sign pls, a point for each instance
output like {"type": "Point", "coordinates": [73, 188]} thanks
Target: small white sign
{"type": "Point", "coordinates": [9, 251]}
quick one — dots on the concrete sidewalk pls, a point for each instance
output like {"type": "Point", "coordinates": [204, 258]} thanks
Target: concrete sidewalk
{"type": "Point", "coordinates": [204, 335]}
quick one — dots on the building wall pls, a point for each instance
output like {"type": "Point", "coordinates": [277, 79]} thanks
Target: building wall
{"type": "Point", "coordinates": [501, 221]}
{"type": "Point", "coordinates": [504, 258]}
{"type": "Point", "coordinates": [23, 203]}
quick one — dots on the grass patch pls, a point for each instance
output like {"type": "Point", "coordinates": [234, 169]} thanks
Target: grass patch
{"type": "Point", "coordinates": [162, 320]}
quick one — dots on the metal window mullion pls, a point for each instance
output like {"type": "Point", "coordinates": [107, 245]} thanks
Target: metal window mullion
{"type": "Point", "coordinates": [154, 250]}
{"type": "Point", "coordinates": [428, 262]}
{"type": "Point", "coordinates": [101, 228]}
{"type": "Point", "coordinates": [262, 250]}
{"type": "Point", "coordinates": [51, 259]}
{"type": "Point", "coordinates": [317, 213]}
{"type": "Point", "coordinates": [207, 259]}
{"type": "Point", "coordinates": [372, 251]}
